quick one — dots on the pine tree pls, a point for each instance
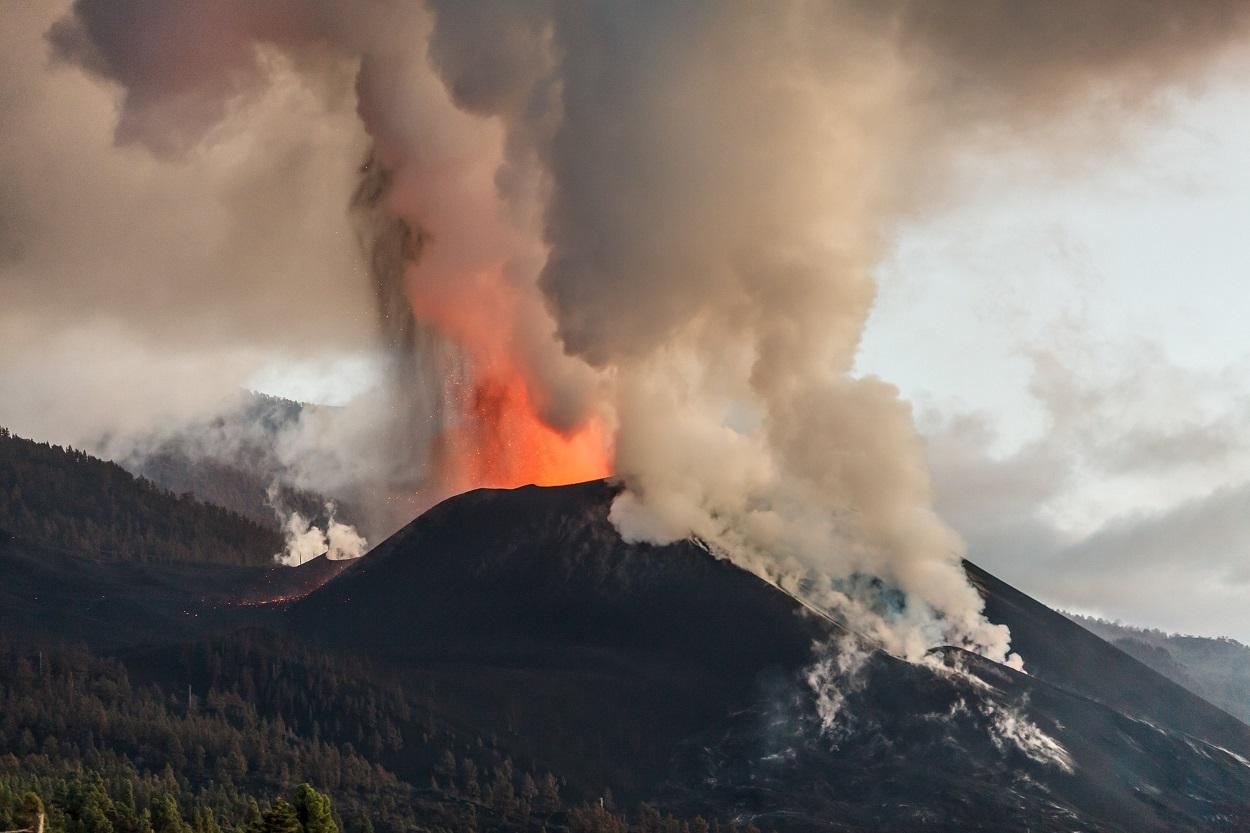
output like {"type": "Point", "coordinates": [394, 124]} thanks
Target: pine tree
{"type": "Point", "coordinates": [165, 815]}
{"type": "Point", "coordinates": [253, 822]}
{"type": "Point", "coordinates": [207, 821]}
{"type": "Point", "coordinates": [313, 810]}
{"type": "Point", "coordinates": [125, 817]}
{"type": "Point", "coordinates": [649, 819]}
{"type": "Point", "coordinates": [93, 818]}
{"type": "Point", "coordinates": [468, 778]}
{"type": "Point", "coordinates": [33, 811]}
{"type": "Point", "coordinates": [281, 818]}
{"type": "Point", "coordinates": [529, 792]}
{"type": "Point", "coordinates": [549, 791]}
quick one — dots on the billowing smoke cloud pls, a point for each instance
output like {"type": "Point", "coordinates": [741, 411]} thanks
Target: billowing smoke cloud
{"type": "Point", "coordinates": [211, 250]}
{"type": "Point", "coordinates": [142, 292]}
{"type": "Point", "coordinates": [306, 541]}
{"type": "Point", "coordinates": [721, 180]}
{"type": "Point", "coordinates": [661, 220]}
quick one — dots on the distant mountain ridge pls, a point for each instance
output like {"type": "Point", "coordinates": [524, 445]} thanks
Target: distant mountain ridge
{"type": "Point", "coordinates": [230, 486]}
{"type": "Point", "coordinates": [230, 460]}
{"type": "Point", "coordinates": [1217, 669]}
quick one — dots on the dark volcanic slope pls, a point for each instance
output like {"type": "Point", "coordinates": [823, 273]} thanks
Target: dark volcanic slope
{"type": "Point", "coordinates": [663, 671]}
{"type": "Point", "coordinates": [1061, 652]}
{"type": "Point", "coordinates": [528, 612]}
{"type": "Point", "coordinates": [539, 573]}
{"type": "Point", "coordinates": [46, 593]}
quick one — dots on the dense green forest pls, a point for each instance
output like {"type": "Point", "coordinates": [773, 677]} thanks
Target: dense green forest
{"type": "Point", "coordinates": [203, 738]}
{"type": "Point", "coordinates": [78, 800]}
{"type": "Point", "coordinates": [67, 499]}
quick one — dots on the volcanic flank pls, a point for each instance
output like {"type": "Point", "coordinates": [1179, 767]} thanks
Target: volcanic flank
{"type": "Point", "coordinates": [667, 672]}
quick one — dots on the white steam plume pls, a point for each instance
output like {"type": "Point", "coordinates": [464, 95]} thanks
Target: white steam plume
{"type": "Point", "coordinates": [306, 541]}
{"type": "Point", "coordinates": [691, 197]}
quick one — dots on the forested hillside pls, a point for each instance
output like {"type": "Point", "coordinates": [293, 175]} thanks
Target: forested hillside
{"type": "Point", "coordinates": [189, 739]}
{"type": "Point", "coordinates": [1216, 669]}
{"type": "Point", "coordinates": [86, 801]}
{"type": "Point", "coordinates": [69, 500]}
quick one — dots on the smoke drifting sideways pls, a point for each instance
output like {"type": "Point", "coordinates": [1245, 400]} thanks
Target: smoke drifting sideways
{"type": "Point", "coordinates": [649, 230]}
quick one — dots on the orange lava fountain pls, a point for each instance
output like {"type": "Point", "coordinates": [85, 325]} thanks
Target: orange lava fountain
{"type": "Point", "coordinates": [496, 436]}
{"type": "Point", "coordinates": [502, 443]}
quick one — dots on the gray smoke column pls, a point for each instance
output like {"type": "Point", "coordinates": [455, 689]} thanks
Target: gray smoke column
{"type": "Point", "coordinates": [423, 365]}
{"type": "Point", "coordinates": [671, 212]}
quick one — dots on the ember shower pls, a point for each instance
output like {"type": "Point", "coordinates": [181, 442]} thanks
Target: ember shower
{"type": "Point", "coordinates": [638, 237]}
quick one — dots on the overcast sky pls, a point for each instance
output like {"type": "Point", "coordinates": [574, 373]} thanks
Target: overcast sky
{"type": "Point", "coordinates": [1075, 344]}
{"type": "Point", "coordinates": [1072, 338]}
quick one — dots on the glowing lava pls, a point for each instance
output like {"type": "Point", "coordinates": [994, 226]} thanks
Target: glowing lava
{"type": "Point", "coordinates": [502, 443]}
{"type": "Point", "coordinates": [495, 434]}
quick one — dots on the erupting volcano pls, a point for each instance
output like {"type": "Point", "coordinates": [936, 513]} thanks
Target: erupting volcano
{"type": "Point", "coordinates": [642, 240]}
